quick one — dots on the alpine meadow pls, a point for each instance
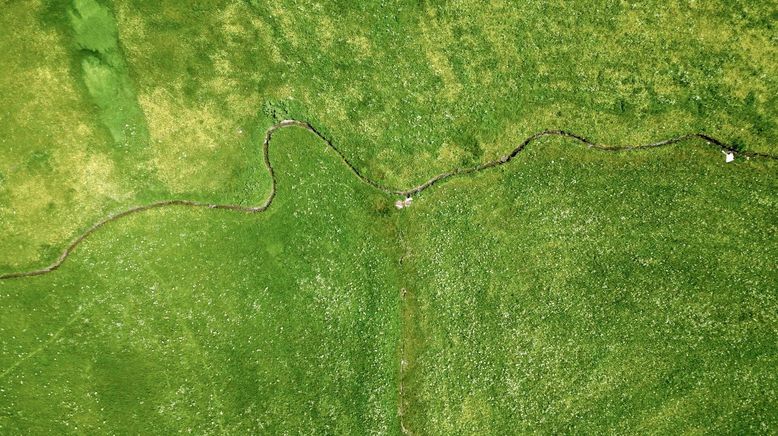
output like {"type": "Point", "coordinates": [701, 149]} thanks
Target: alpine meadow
{"type": "Point", "coordinates": [392, 217]}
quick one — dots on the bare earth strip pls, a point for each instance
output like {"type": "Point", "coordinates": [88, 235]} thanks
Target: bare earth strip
{"type": "Point", "coordinates": [392, 191]}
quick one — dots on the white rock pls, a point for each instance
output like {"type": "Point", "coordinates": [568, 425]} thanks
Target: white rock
{"type": "Point", "coordinates": [729, 157]}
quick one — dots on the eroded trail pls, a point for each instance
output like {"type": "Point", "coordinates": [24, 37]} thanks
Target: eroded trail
{"type": "Point", "coordinates": [377, 185]}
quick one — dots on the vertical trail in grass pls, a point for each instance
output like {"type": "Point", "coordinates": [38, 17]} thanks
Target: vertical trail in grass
{"type": "Point", "coordinates": [410, 337]}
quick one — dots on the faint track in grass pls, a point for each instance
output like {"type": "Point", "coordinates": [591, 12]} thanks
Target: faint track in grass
{"type": "Point", "coordinates": [377, 185]}
{"type": "Point", "coordinates": [408, 338]}
{"type": "Point", "coordinates": [53, 337]}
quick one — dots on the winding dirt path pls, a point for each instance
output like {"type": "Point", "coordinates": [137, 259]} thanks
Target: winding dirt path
{"type": "Point", "coordinates": [386, 189]}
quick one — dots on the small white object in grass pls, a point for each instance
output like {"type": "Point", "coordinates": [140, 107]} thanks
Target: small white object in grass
{"type": "Point", "coordinates": [399, 204]}
{"type": "Point", "coordinates": [729, 156]}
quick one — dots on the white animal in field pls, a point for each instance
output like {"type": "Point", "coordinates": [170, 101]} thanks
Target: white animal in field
{"type": "Point", "coordinates": [729, 156]}
{"type": "Point", "coordinates": [399, 204]}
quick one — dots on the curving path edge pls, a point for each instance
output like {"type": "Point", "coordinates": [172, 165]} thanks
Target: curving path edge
{"type": "Point", "coordinates": [392, 191]}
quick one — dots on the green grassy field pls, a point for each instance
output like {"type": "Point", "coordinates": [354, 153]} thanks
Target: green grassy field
{"type": "Point", "coordinates": [227, 325]}
{"type": "Point", "coordinates": [568, 291]}
{"type": "Point", "coordinates": [576, 292]}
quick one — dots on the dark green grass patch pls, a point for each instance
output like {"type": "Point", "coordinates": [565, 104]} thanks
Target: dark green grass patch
{"type": "Point", "coordinates": [106, 77]}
